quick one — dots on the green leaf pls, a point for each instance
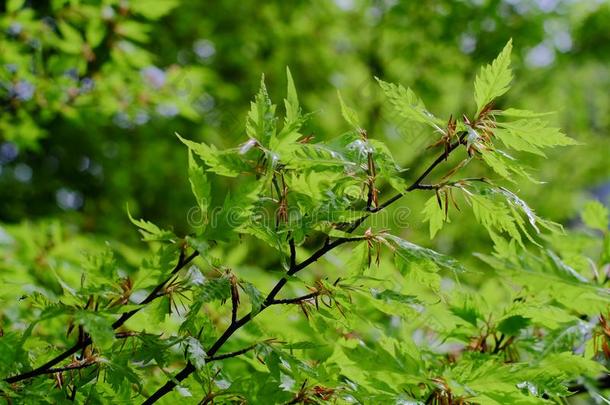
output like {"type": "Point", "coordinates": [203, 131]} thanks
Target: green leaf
{"type": "Point", "coordinates": [572, 365]}
{"type": "Point", "coordinates": [500, 163]}
{"type": "Point", "coordinates": [150, 231]}
{"type": "Point", "coordinates": [495, 216]}
{"type": "Point", "coordinates": [260, 124]}
{"type": "Point", "coordinates": [511, 325]}
{"type": "Point", "coordinates": [214, 289]}
{"type": "Point", "coordinates": [195, 353]}
{"type": "Point", "coordinates": [595, 215]}
{"type": "Point", "coordinates": [349, 114]}
{"type": "Point", "coordinates": [408, 105]}
{"type": "Point", "coordinates": [493, 80]}
{"type": "Point", "coordinates": [394, 296]}
{"type": "Point", "coordinates": [467, 311]}
{"type": "Point", "coordinates": [291, 103]}
{"type": "Point", "coordinates": [228, 163]}
{"type": "Point", "coordinates": [119, 372]}
{"type": "Point", "coordinates": [409, 251]}
{"type": "Point", "coordinates": [286, 141]}
{"type": "Point", "coordinates": [256, 297]}
{"type": "Point", "coordinates": [434, 215]}
{"type": "Point", "coordinates": [387, 168]}
{"type": "Point", "coordinates": [201, 190]}
{"type": "Point", "coordinates": [237, 212]}
{"type": "Point", "coordinates": [531, 135]}
{"type": "Point", "coordinates": [97, 325]}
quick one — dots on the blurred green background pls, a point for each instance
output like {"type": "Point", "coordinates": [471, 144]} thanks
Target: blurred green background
{"type": "Point", "coordinates": [92, 92]}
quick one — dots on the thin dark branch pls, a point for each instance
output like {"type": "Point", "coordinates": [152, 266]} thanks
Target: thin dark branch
{"type": "Point", "coordinates": [234, 300]}
{"type": "Point", "coordinates": [231, 354]}
{"type": "Point", "coordinates": [417, 183]}
{"type": "Point", "coordinates": [425, 187]}
{"type": "Point", "coordinates": [441, 158]}
{"type": "Point", "coordinates": [293, 252]}
{"type": "Point", "coordinates": [296, 300]}
{"type": "Point", "coordinates": [69, 367]}
{"type": "Point", "coordinates": [182, 261]}
{"type": "Point", "coordinates": [319, 253]}
{"type": "Point", "coordinates": [452, 183]}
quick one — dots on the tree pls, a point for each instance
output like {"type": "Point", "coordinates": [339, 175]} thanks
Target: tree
{"type": "Point", "coordinates": [383, 320]}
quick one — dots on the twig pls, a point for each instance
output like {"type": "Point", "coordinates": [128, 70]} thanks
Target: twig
{"type": "Point", "coordinates": [417, 183]}
{"type": "Point", "coordinates": [231, 354]}
{"type": "Point", "coordinates": [182, 261]}
{"type": "Point", "coordinates": [234, 299]}
{"type": "Point", "coordinates": [189, 368]}
{"type": "Point", "coordinates": [293, 252]}
{"type": "Point", "coordinates": [296, 300]}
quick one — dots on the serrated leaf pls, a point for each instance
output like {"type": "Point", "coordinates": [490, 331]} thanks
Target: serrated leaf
{"type": "Point", "coordinates": [409, 251]}
{"type": "Point", "coordinates": [394, 296]}
{"type": "Point", "coordinates": [256, 297]}
{"type": "Point", "coordinates": [195, 353]}
{"type": "Point", "coordinates": [349, 114]}
{"type": "Point", "coordinates": [531, 135]}
{"type": "Point", "coordinates": [118, 372]}
{"type": "Point", "coordinates": [261, 123]}
{"type": "Point", "coordinates": [408, 105]}
{"type": "Point", "coordinates": [150, 231]}
{"type": "Point", "coordinates": [293, 110]}
{"type": "Point", "coordinates": [572, 365]}
{"type": "Point", "coordinates": [434, 215]}
{"type": "Point", "coordinates": [511, 325]}
{"type": "Point", "coordinates": [493, 80]}
{"type": "Point", "coordinates": [494, 216]}
{"type": "Point", "coordinates": [237, 212]}
{"type": "Point", "coordinates": [214, 289]}
{"type": "Point", "coordinates": [467, 311]}
{"type": "Point", "coordinates": [228, 163]}
{"type": "Point", "coordinates": [201, 190]}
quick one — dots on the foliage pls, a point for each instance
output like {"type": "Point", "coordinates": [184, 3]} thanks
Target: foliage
{"type": "Point", "coordinates": [351, 309]}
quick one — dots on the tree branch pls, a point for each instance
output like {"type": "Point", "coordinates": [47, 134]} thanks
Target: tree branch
{"type": "Point", "coordinates": [231, 354]}
{"type": "Point", "coordinates": [295, 300]}
{"type": "Point", "coordinates": [295, 268]}
{"type": "Point", "coordinates": [293, 252]}
{"type": "Point", "coordinates": [182, 261]}
{"type": "Point", "coordinates": [70, 367]}
{"type": "Point", "coordinates": [234, 299]}
{"type": "Point", "coordinates": [417, 183]}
